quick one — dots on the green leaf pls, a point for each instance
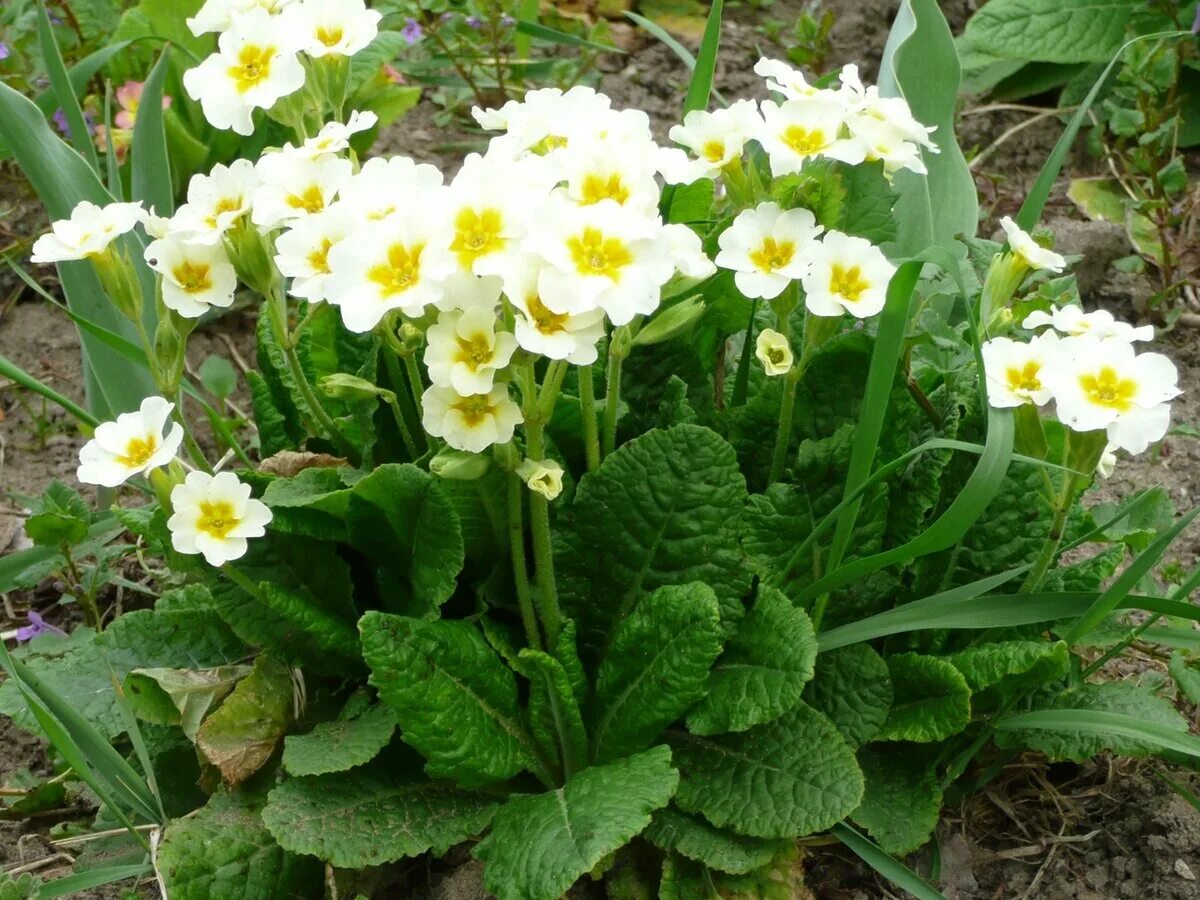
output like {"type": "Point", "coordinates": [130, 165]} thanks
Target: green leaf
{"type": "Point", "coordinates": [1003, 667]}
{"type": "Point", "coordinates": [218, 376]}
{"type": "Point", "coordinates": [1061, 31]}
{"type": "Point", "coordinates": [59, 517]}
{"type": "Point", "coordinates": [903, 799]}
{"type": "Point", "coordinates": [662, 510]}
{"type": "Point", "coordinates": [656, 669]}
{"type": "Point", "coordinates": [400, 518]}
{"type": "Point", "coordinates": [314, 502]}
{"type": "Point", "coordinates": [64, 92]}
{"type": "Point", "coordinates": [554, 714]}
{"type": "Point", "coordinates": [242, 735]}
{"type": "Point", "coordinates": [372, 816]}
{"type": "Point", "coordinates": [853, 687]}
{"type": "Point", "coordinates": [1081, 743]}
{"type": "Point", "coordinates": [1186, 677]}
{"type": "Point", "coordinates": [341, 744]}
{"type": "Point", "coordinates": [762, 673]}
{"type": "Point", "coordinates": [150, 172]}
{"type": "Point", "coordinates": [1141, 525]}
{"type": "Point", "coordinates": [789, 778]}
{"type": "Point", "coordinates": [891, 869]}
{"type": "Point", "coordinates": [224, 851]}
{"type": "Point", "coordinates": [920, 64]}
{"type": "Point", "coordinates": [782, 878]}
{"type": "Point", "coordinates": [540, 844]}
{"type": "Point", "coordinates": [932, 700]}
{"type": "Point", "coordinates": [180, 696]}
{"type": "Point", "coordinates": [696, 839]}
{"type": "Point", "coordinates": [455, 700]}
{"type": "Point", "coordinates": [867, 212]}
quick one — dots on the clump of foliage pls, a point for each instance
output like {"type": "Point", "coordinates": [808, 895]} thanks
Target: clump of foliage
{"type": "Point", "coordinates": [800, 568]}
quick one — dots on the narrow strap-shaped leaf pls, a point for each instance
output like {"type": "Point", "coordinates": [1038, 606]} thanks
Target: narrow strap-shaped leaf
{"type": "Point", "coordinates": [703, 76]}
{"type": "Point", "coordinates": [11, 370]}
{"type": "Point", "coordinates": [151, 174]}
{"type": "Point", "coordinates": [1106, 724]}
{"type": "Point", "coordinates": [684, 54]}
{"type": "Point", "coordinates": [886, 865]}
{"type": "Point", "coordinates": [112, 165]}
{"type": "Point", "coordinates": [554, 36]}
{"type": "Point", "coordinates": [64, 93]}
{"type": "Point", "coordinates": [92, 878]}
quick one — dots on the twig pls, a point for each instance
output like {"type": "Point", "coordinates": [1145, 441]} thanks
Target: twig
{"type": "Point", "coordinates": [987, 152]}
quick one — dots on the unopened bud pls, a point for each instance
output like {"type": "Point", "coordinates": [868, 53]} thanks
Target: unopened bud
{"type": "Point", "coordinates": [458, 465]}
{"type": "Point", "coordinates": [620, 343]}
{"type": "Point", "coordinates": [670, 322]}
{"type": "Point", "coordinates": [342, 386]}
{"type": "Point", "coordinates": [542, 476]}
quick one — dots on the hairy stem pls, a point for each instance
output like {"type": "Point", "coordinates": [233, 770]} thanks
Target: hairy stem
{"type": "Point", "coordinates": [587, 406]}
{"type": "Point", "coordinates": [516, 540]}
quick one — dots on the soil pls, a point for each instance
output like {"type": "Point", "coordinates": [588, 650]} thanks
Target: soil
{"type": "Point", "coordinates": [1108, 829]}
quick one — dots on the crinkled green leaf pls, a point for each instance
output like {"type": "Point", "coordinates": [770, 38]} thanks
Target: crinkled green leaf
{"type": "Point", "coordinates": [242, 735]}
{"type": "Point", "coordinates": [59, 517]}
{"type": "Point", "coordinates": [554, 715]}
{"type": "Point", "coordinates": [180, 697]}
{"type": "Point", "coordinates": [372, 816]}
{"type": "Point", "coordinates": [762, 673]}
{"type": "Point", "coordinates": [656, 669]}
{"type": "Point", "coordinates": [1124, 697]}
{"type": "Point", "coordinates": [869, 200]}
{"type": "Point", "coordinates": [789, 778]}
{"type": "Point", "coordinates": [661, 510]}
{"type": "Point", "coordinates": [341, 744]}
{"type": "Point", "coordinates": [1005, 666]}
{"type": "Point", "coordinates": [1142, 524]}
{"type": "Point", "coordinates": [541, 843]}
{"type": "Point", "coordinates": [1187, 678]}
{"type": "Point", "coordinates": [903, 798]}
{"type": "Point", "coordinates": [400, 519]}
{"type": "Point", "coordinates": [931, 700]}
{"type": "Point", "coordinates": [689, 836]}
{"type": "Point", "coordinates": [224, 851]}
{"type": "Point", "coordinates": [313, 502]}
{"type": "Point", "coordinates": [853, 687]}
{"type": "Point", "coordinates": [455, 699]}
{"type": "Point", "coordinates": [780, 879]}
{"type": "Point", "coordinates": [1061, 31]}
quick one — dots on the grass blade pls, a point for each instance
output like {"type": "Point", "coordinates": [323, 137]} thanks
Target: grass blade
{"type": "Point", "coordinates": [64, 92]}
{"type": "Point", "coordinates": [554, 36]}
{"type": "Point", "coordinates": [685, 55]}
{"type": "Point", "coordinates": [885, 864]}
{"type": "Point", "coordinates": [12, 371]}
{"type": "Point", "coordinates": [1105, 724]}
{"type": "Point", "coordinates": [150, 178]}
{"type": "Point", "coordinates": [705, 72]}
{"type": "Point", "coordinates": [92, 878]}
{"type": "Point", "coordinates": [112, 164]}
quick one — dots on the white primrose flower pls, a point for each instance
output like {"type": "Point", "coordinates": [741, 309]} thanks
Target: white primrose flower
{"type": "Point", "coordinates": [254, 66]}
{"type": "Point", "coordinates": [1105, 385]}
{"type": "Point", "coordinates": [400, 263]}
{"type": "Point", "coordinates": [864, 105]}
{"type": "Point", "coordinates": [334, 137]}
{"type": "Point", "coordinates": [766, 248]}
{"type": "Point", "coordinates": [383, 186]}
{"type": "Point", "coordinates": [611, 170]}
{"type": "Point", "coordinates": [464, 350]}
{"type": "Point", "coordinates": [1030, 251]}
{"type": "Point", "coordinates": [334, 27]}
{"type": "Point", "coordinates": [687, 250]}
{"type": "Point", "coordinates": [154, 225]}
{"type": "Point", "coordinates": [846, 274]}
{"type": "Point", "coordinates": [545, 120]}
{"type": "Point", "coordinates": [569, 336]}
{"type": "Point", "coordinates": [302, 252]}
{"type": "Point", "coordinates": [798, 130]}
{"type": "Point", "coordinates": [774, 351]}
{"type": "Point", "coordinates": [488, 204]}
{"type": "Point", "coordinates": [87, 233]}
{"type": "Point", "coordinates": [542, 476]}
{"type": "Point", "coordinates": [216, 202]}
{"type": "Point", "coordinates": [1015, 370]}
{"type": "Point", "coordinates": [881, 140]}
{"type": "Point", "coordinates": [471, 423]}
{"type": "Point", "coordinates": [463, 292]}
{"type": "Point", "coordinates": [132, 445]}
{"type": "Point", "coordinates": [714, 139]}
{"type": "Point", "coordinates": [602, 256]}
{"type": "Point", "coordinates": [1101, 324]}
{"type": "Point", "coordinates": [783, 79]}
{"type": "Point", "coordinates": [214, 515]}
{"type": "Point", "coordinates": [219, 15]}
{"type": "Point", "coordinates": [195, 277]}
{"type": "Point", "coordinates": [292, 186]}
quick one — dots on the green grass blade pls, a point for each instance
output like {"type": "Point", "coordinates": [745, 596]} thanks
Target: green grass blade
{"type": "Point", "coordinates": [64, 92]}
{"type": "Point", "coordinates": [1105, 724]}
{"type": "Point", "coordinates": [11, 370]}
{"type": "Point", "coordinates": [134, 730]}
{"type": "Point", "coordinates": [705, 72]}
{"type": "Point", "coordinates": [886, 865]}
{"type": "Point", "coordinates": [553, 36]}
{"type": "Point", "coordinates": [741, 381]}
{"type": "Point", "coordinates": [1142, 564]}
{"type": "Point", "coordinates": [150, 177]}
{"type": "Point", "coordinates": [528, 11]}
{"type": "Point", "coordinates": [112, 165]}
{"type": "Point", "coordinates": [685, 55]}
{"type": "Point", "coordinates": [92, 878]}
{"type": "Point", "coordinates": [1035, 200]}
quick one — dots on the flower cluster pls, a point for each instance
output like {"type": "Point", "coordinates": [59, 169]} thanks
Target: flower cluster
{"type": "Point", "coordinates": [1086, 365]}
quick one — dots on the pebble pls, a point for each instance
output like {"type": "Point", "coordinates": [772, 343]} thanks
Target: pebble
{"type": "Point", "coordinates": [1184, 871]}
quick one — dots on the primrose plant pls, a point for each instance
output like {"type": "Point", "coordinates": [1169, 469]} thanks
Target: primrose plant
{"type": "Point", "coordinates": [633, 513]}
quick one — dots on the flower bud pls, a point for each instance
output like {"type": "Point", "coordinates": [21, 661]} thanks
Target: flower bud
{"type": "Point", "coordinates": [343, 386]}
{"type": "Point", "coordinates": [542, 476]}
{"type": "Point", "coordinates": [120, 281]}
{"type": "Point", "coordinates": [251, 257]}
{"type": "Point", "coordinates": [620, 343]}
{"type": "Point", "coordinates": [774, 351]}
{"type": "Point", "coordinates": [670, 322]}
{"type": "Point", "coordinates": [458, 465]}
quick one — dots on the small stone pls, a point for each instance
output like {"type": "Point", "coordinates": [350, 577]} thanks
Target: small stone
{"type": "Point", "coordinates": [1184, 871]}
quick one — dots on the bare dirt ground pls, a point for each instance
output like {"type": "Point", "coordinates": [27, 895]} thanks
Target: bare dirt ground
{"type": "Point", "coordinates": [1093, 832]}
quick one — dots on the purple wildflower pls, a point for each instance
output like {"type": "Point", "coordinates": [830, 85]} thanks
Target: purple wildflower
{"type": "Point", "coordinates": [60, 122]}
{"type": "Point", "coordinates": [508, 21]}
{"type": "Point", "coordinates": [412, 31]}
{"type": "Point", "coordinates": [37, 625]}
{"type": "Point", "coordinates": [5, 52]}
{"type": "Point", "coordinates": [54, 20]}
{"type": "Point", "coordinates": [473, 22]}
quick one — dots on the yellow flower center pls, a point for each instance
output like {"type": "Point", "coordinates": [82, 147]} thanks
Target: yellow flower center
{"type": "Point", "coordinates": [330, 36]}
{"type": "Point", "coordinates": [848, 283]}
{"type": "Point", "coordinates": [773, 254]}
{"type": "Point", "coordinates": [194, 278]}
{"type": "Point", "coordinates": [475, 351]}
{"type": "Point", "coordinates": [1107, 388]}
{"type": "Point", "coordinates": [138, 451]}
{"type": "Point", "coordinates": [548, 143]}
{"type": "Point", "coordinates": [596, 188]}
{"type": "Point", "coordinates": [595, 254]}
{"type": "Point", "coordinates": [544, 320]}
{"type": "Point", "coordinates": [803, 141]}
{"type": "Point", "coordinates": [401, 271]}
{"type": "Point", "coordinates": [319, 259]}
{"type": "Point", "coordinates": [253, 67]}
{"type": "Point", "coordinates": [225, 205]}
{"type": "Point", "coordinates": [1025, 380]}
{"type": "Point", "coordinates": [713, 151]}
{"type": "Point", "coordinates": [476, 234]}
{"type": "Point", "coordinates": [474, 408]}
{"type": "Point", "coordinates": [311, 200]}
{"type": "Point", "coordinates": [217, 519]}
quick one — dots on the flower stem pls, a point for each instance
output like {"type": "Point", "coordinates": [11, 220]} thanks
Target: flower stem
{"type": "Point", "coordinates": [612, 401]}
{"type": "Point", "coordinates": [397, 379]}
{"type": "Point", "coordinates": [516, 539]}
{"type": "Point", "coordinates": [539, 509]}
{"type": "Point", "coordinates": [415, 383]}
{"type": "Point", "coordinates": [189, 439]}
{"type": "Point", "coordinates": [587, 406]}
